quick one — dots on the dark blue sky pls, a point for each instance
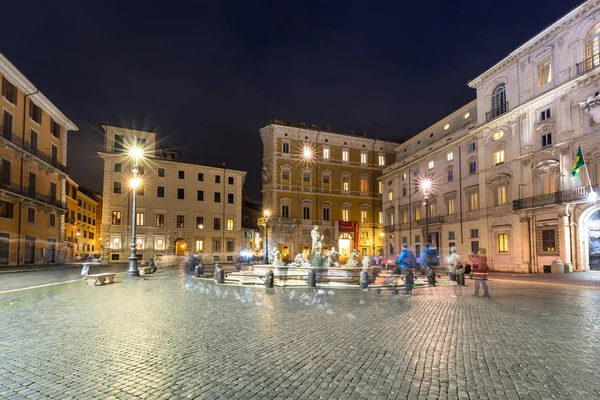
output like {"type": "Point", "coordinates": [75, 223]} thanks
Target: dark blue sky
{"type": "Point", "coordinates": [207, 74]}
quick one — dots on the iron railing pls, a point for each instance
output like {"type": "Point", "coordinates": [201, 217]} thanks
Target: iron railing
{"type": "Point", "coordinates": [32, 194]}
{"type": "Point", "coordinates": [432, 220]}
{"type": "Point", "coordinates": [19, 142]}
{"type": "Point", "coordinates": [496, 112]}
{"type": "Point", "coordinates": [588, 64]}
{"type": "Point", "coordinates": [564, 196]}
{"type": "Point", "coordinates": [70, 221]}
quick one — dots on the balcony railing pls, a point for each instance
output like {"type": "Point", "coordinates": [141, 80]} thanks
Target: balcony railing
{"type": "Point", "coordinates": [588, 64]}
{"type": "Point", "coordinates": [432, 220]}
{"type": "Point", "coordinates": [32, 194]}
{"type": "Point", "coordinates": [549, 199]}
{"type": "Point", "coordinates": [496, 112]}
{"type": "Point", "coordinates": [19, 142]}
{"type": "Point", "coordinates": [70, 221]}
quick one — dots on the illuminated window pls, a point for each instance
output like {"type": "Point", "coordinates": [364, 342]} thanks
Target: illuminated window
{"type": "Point", "coordinates": [381, 160]}
{"type": "Point", "coordinates": [405, 217]}
{"type": "Point", "coordinates": [473, 201]}
{"type": "Point", "coordinates": [450, 156]}
{"type": "Point", "coordinates": [467, 115]}
{"type": "Point", "coordinates": [446, 127]}
{"type": "Point", "coordinates": [548, 183]}
{"type": "Point", "coordinates": [545, 73]}
{"type": "Point", "coordinates": [139, 219]}
{"type": "Point", "coordinates": [364, 216]}
{"type": "Point", "coordinates": [499, 157]}
{"type": "Point", "coordinates": [417, 213]}
{"type": "Point", "coordinates": [364, 185]}
{"type": "Point", "coordinates": [345, 214]}
{"type": "Point", "coordinates": [451, 206]}
{"type": "Point", "coordinates": [500, 195]}
{"type": "Point", "coordinates": [345, 184]}
{"type": "Point", "coordinates": [116, 243]}
{"type": "Point", "coordinates": [326, 153]}
{"type": "Point", "coordinates": [159, 244]}
{"type": "Point", "coordinates": [139, 243]}
{"type": "Point", "coordinates": [116, 217]}
{"type": "Point", "coordinates": [363, 158]}
{"type": "Point", "coordinates": [380, 218]}
{"type": "Point", "coordinates": [503, 243]}
{"type": "Point", "coordinates": [472, 167]}
{"type": "Point", "coordinates": [390, 195]}
{"type": "Point", "coordinates": [345, 155]}
{"type": "Point", "coordinates": [180, 221]}
{"type": "Point", "coordinates": [160, 220]}
{"type": "Point", "coordinates": [404, 176]}
{"type": "Point", "coordinates": [199, 245]}
{"type": "Point", "coordinates": [380, 187]}
{"type": "Point", "coordinates": [592, 50]}
{"type": "Point", "coordinates": [230, 224]}
{"type": "Point", "coordinates": [431, 164]}
{"type": "Point", "coordinates": [199, 222]}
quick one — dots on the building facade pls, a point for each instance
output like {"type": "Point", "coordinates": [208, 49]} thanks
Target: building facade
{"type": "Point", "coordinates": [33, 172]}
{"type": "Point", "coordinates": [88, 226]}
{"type": "Point", "coordinates": [318, 177]}
{"type": "Point", "coordinates": [516, 196]}
{"type": "Point", "coordinates": [182, 207]}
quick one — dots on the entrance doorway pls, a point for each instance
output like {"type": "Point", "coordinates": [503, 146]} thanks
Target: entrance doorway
{"type": "Point", "coordinates": [594, 240]}
{"type": "Point", "coordinates": [29, 256]}
{"type": "Point", "coordinates": [180, 247]}
{"type": "Point", "coordinates": [51, 251]}
{"type": "Point", "coordinates": [345, 243]}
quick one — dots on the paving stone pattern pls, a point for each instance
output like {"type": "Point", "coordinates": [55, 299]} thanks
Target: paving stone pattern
{"type": "Point", "coordinates": [171, 336]}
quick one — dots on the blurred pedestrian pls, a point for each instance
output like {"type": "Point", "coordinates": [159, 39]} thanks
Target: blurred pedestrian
{"type": "Point", "coordinates": [453, 260]}
{"type": "Point", "coordinates": [480, 272]}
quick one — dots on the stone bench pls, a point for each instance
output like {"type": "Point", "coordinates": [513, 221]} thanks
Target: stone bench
{"type": "Point", "coordinates": [99, 279]}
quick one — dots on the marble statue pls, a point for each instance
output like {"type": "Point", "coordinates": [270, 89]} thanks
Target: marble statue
{"type": "Point", "coordinates": [317, 238]}
{"type": "Point", "coordinates": [276, 258]}
{"type": "Point", "coordinates": [353, 259]}
{"type": "Point", "coordinates": [332, 258]}
{"type": "Point", "coordinates": [300, 260]}
{"type": "Point", "coordinates": [366, 262]}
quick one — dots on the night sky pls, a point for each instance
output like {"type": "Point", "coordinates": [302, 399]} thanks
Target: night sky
{"type": "Point", "coordinates": [207, 75]}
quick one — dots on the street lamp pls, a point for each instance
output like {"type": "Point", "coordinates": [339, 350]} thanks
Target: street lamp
{"type": "Point", "coordinates": [426, 185]}
{"type": "Point", "coordinates": [266, 215]}
{"type": "Point", "coordinates": [135, 152]}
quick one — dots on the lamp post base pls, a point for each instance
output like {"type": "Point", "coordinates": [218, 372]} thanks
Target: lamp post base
{"type": "Point", "coordinates": [133, 269]}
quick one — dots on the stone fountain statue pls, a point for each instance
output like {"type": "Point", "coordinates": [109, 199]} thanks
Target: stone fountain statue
{"type": "Point", "coordinates": [300, 260]}
{"type": "Point", "coordinates": [353, 259]}
{"type": "Point", "coordinates": [276, 258]}
{"type": "Point", "coordinates": [332, 259]}
{"type": "Point", "coordinates": [316, 254]}
{"type": "Point", "coordinates": [366, 262]}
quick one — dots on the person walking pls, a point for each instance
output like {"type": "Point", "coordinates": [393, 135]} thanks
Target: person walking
{"type": "Point", "coordinates": [427, 258]}
{"type": "Point", "coordinates": [480, 272]}
{"type": "Point", "coordinates": [453, 260]}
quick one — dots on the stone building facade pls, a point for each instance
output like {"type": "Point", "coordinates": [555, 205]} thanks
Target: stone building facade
{"type": "Point", "coordinates": [515, 195]}
{"type": "Point", "coordinates": [182, 207]}
{"type": "Point", "coordinates": [315, 176]}
{"type": "Point", "coordinates": [33, 154]}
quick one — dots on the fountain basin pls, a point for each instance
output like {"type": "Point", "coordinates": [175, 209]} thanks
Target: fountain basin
{"type": "Point", "coordinates": [297, 276]}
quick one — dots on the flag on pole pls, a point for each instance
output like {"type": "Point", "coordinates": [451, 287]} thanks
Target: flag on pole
{"type": "Point", "coordinates": [578, 164]}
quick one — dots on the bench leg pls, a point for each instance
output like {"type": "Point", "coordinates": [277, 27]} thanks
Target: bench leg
{"type": "Point", "coordinates": [109, 279]}
{"type": "Point", "coordinates": [91, 282]}
{"type": "Point", "coordinates": [99, 281]}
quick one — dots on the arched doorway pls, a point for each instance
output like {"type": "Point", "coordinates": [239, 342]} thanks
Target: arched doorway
{"type": "Point", "coordinates": [346, 244]}
{"type": "Point", "coordinates": [593, 228]}
{"type": "Point", "coordinates": [180, 247]}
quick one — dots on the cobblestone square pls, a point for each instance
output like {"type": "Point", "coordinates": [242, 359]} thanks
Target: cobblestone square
{"type": "Point", "coordinates": [171, 336]}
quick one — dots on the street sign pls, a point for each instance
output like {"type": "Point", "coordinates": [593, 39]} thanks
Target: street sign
{"type": "Point", "coordinates": [261, 222]}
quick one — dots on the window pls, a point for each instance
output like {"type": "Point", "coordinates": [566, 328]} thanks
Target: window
{"type": "Point", "coordinates": [161, 172]}
{"type": "Point", "coordinates": [52, 220]}
{"type": "Point", "coordinates": [217, 224]}
{"type": "Point", "coordinates": [116, 187]}
{"type": "Point", "coordinates": [117, 167]}
{"type": "Point", "coordinates": [472, 167]}
{"type": "Point", "coordinates": [326, 214]}
{"type": "Point", "coordinates": [500, 195]}
{"type": "Point", "coordinates": [160, 191]}
{"type": "Point", "coordinates": [230, 198]}
{"type": "Point", "coordinates": [35, 113]}
{"type": "Point", "coordinates": [285, 211]}
{"type": "Point", "coordinates": [450, 175]}
{"type": "Point", "coordinates": [139, 243]}
{"type": "Point", "coordinates": [345, 155]}
{"type": "Point", "coordinates": [230, 180]}
{"type": "Point", "coordinates": [139, 219]}
{"type": "Point", "coordinates": [502, 240]}
{"type": "Point", "coordinates": [450, 156]}
{"type": "Point", "coordinates": [159, 244]}
{"type": "Point", "coordinates": [78, 216]}
{"type": "Point", "coordinates": [306, 179]}
{"type": "Point", "coordinates": [417, 213]}
{"type": "Point", "coordinates": [592, 51]}
{"type": "Point", "coordinates": [85, 219]}
{"type": "Point", "coordinates": [199, 222]}
{"type": "Point", "coordinates": [405, 216]}
{"type": "Point", "coordinates": [180, 193]}
{"type": "Point", "coordinates": [474, 233]}
{"type": "Point", "coordinates": [431, 164]}
{"type": "Point", "coordinates": [499, 105]}
{"type": "Point", "coordinates": [498, 135]}
{"type": "Point", "coordinates": [547, 240]}
{"type": "Point", "coordinates": [217, 178]}
{"type": "Point", "coordinates": [451, 235]}
{"type": "Point", "coordinates": [217, 197]}
{"type": "Point", "coordinates": [363, 158]}
{"type": "Point", "coordinates": [6, 209]}
{"type": "Point", "coordinates": [390, 195]}
{"type": "Point", "coordinates": [55, 129]}
{"type": "Point", "coordinates": [306, 212]}
{"type": "Point", "coordinates": [380, 217]}
{"type": "Point", "coordinates": [404, 191]}
{"type": "Point", "coordinates": [180, 221]}
{"type": "Point", "coordinates": [404, 176]}
{"type": "Point", "coordinates": [545, 73]}
{"type": "Point", "coordinates": [326, 153]}
{"type": "Point", "coordinates": [404, 239]}
{"type": "Point", "coordinates": [200, 177]}
{"type": "Point", "coordinates": [285, 148]}
{"type": "Point", "coordinates": [160, 220]}
{"type": "Point", "coordinates": [545, 114]}
{"type": "Point", "coordinates": [285, 177]}
{"type": "Point", "coordinates": [31, 215]}
{"type": "Point", "coordinates": [499, 157]}
{"type": "Point", "coordinates": [116, 217]}
{"type": "Point", "coordinates": [364, 216]}
{"type": "Point", "coordinates": [181, 174]}
{"type": "Point", "coordinates": [472, 146]}
{"type": "Point", "coordinates": [200, 195]}
{"type": "Point", "coordinates": [9, 91]}
{"type": "Point", "coordinates": [199, 245]}
{"type": "Point", "coordinates": [364, 185]}
{"type": "Point", "coordinates": [345, 183]}
{"type": "Point", "coordinates": [475, 246]}
{"type": "Point", "coordinates": [229, 224]}
{"type": "Point", "coordinates": [345, 214]}
{"type": "Point", "coordinates": [380, 187]}
{"type": "Point", "coordinates": [216, 246]}
{"type": "Point", "coordinates": [546, 139]}
{"type": "Point", "coordinates": [381, 160]}
{"type": "Point", "coordinates": [451, 206]}
{"type": "Point", "coordinates": [390, 218]}
{"type": "Point", "coordinates": [116, 243]}
{"type": "Point", "coordinates": [548, 183]}
{"type": "Point", "coordinates": [473, 201]}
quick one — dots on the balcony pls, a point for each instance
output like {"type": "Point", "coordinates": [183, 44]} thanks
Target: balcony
{"type": "Point", "coordinates": [19, 142]}
{"type": "Point", "coordinates": [588, 64]}
{"type": "Point", "coordinates": [432, 220]}
{"type": "Point", "coordinates": [70, 221]}
{"type": "Point", "coordinates": [32, 194]}
{"type": "Point", "coordinates": [564, 196]}
{"type": "Point", "coordinates": [496, 112]}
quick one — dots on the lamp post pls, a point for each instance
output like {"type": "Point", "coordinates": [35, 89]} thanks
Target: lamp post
{"type": "Point", "coordinates": [266, 215]}
{"type": "Point", "coordinates": [135, 153]}
{"type": "Point", "coordinates": [426, 188]}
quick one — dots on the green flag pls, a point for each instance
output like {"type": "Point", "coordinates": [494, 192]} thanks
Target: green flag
{"type": "Point", "coordinates": [578, 164]}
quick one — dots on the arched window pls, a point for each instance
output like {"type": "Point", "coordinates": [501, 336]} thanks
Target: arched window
{"type": "Point", "coordinates": [592, 50]}
{"type": "Point", "coordinates": [499, 104]}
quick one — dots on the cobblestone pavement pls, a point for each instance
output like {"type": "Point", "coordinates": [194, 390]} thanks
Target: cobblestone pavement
{"type": "Point", "coordinates": [170, 336]}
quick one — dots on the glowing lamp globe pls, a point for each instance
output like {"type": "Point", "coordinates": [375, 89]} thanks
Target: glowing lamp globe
{"type": "Point", "coordinates": [135, 182]}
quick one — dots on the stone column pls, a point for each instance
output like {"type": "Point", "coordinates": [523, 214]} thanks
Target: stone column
{"type": "Point", "coordinates": [564, 237]}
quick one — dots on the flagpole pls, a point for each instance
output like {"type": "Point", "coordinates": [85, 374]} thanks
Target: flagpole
{"type": "Point", "coordinates": [587, 174]}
